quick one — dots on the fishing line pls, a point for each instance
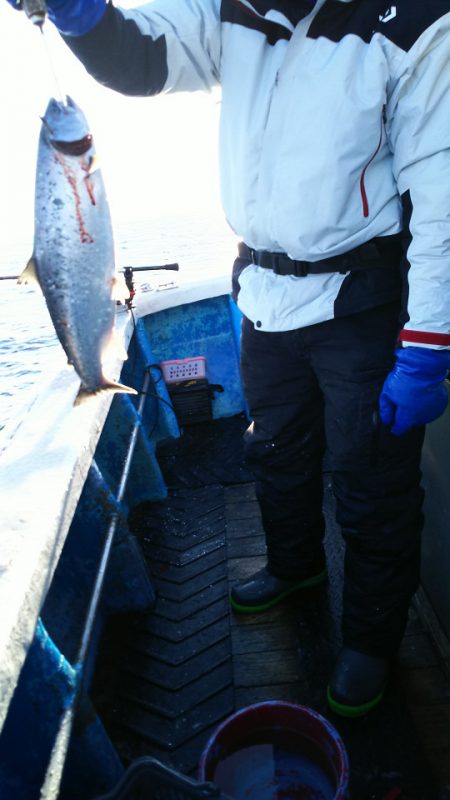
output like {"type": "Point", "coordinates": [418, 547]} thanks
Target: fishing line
{"type": "Point", "coordinates": [135, 349]}
{"type": "Point", "coordinates": [161, 400]}
{"type": "Point", "coordinates": [156, 396]}
{"type": "Point", "coordinates": [60, 96]}
{"type": "Point", "coordinates": [36, 11]}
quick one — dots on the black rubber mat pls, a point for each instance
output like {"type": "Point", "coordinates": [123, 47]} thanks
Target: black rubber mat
{"type": "Point", "coordinates": [167, 678]}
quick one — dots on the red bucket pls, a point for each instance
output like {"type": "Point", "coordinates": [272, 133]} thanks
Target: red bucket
{"type": "Point", "coordinates": [277, 751]}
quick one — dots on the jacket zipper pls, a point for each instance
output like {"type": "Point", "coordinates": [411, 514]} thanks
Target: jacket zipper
{"type": "Point", "coordinates": [365, 202]}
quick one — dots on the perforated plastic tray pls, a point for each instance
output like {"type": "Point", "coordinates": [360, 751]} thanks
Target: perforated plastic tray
{"type": "Point", "coordinates": [184, 369]}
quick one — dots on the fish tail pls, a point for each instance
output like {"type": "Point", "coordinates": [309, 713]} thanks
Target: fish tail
{"type": "Point", "coordinates": [109, 386]}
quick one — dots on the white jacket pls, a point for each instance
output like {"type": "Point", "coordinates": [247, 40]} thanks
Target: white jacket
{"type": "Point", "coordinates": [333, 112]}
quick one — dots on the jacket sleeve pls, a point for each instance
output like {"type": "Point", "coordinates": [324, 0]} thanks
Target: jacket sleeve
{"type": "Point", "coordinates": [418, 125]}
{"type": "Point", "coordinates": [163, 46]}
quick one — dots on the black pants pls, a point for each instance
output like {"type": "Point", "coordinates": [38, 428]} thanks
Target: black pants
{"type": "Point", "coordinates": [317, 389]}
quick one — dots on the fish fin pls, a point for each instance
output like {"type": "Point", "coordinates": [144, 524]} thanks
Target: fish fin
{"type": "Point", "coordinates": [30, 273]}
{"type": "Point", "coordinates": [94, 165]}
{"type": "Point", "coordinates": [120, 293]}
{"type": "Point", "coordinates": [109, 386]}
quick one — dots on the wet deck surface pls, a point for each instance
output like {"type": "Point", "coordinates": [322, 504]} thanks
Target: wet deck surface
{"type": "Point", "coordinates": [168, 677]}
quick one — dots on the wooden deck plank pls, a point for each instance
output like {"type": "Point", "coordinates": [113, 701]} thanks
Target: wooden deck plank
{"type": "Point", "coordinates": [240, 568]}
{"type": "Point", "coordinates": [416, 651]}
{"type": "Point", "coordinates": [235, 493]}
{"type": "Point", "coordinates": [242, 510]}
{"type": "Point", "coordinates": [284, 692]}
{"type": "Point", "coordinates": [237, 530]}
{"type": "Point", "coordinates": [425, 687]}
{"type": "Point", "coordinates": [256, 669]}
{"type": "Point", "coordinates": [247, 547]}
{"type": "Point", "coordinates": [254, 638]}
{"type": "Point", "coordinates": [433, 722]}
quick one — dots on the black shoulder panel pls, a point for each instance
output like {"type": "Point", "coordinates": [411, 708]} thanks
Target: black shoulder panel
{"type": "Point", "coordinates": [294, 11]}
{"type": "Point", "coordinates": [411, 19]}
{"type": "Point", "coordinates": [118, 55]}
{"type": "Point", "coordinates": [336, 20]}
{"type": "Point", "coordinates": [240, 13]}
{"type": "Point", "coordinates": [401, 22]}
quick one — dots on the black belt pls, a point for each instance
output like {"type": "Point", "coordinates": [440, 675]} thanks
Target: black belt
{"type": "Point", "coordinates": [383, 251]}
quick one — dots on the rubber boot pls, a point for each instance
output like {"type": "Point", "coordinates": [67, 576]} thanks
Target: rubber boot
{"type": "Point", "coordinates": [357, 683]}
{"type": "Point", "coordinates": [263, 590]}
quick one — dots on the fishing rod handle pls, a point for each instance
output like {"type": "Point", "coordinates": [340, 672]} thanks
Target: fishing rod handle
{"type": "Point", "coordinates": [175, 267]}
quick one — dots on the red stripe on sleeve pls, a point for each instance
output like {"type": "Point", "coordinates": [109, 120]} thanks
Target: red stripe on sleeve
{"type": "Point", "coordinates": [424, 337]}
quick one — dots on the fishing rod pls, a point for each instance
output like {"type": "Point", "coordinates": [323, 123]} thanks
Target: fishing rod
{"type": "Point", "coordinates": [126, 270]}
{"type": "Point", "coordinates": [175, 267]}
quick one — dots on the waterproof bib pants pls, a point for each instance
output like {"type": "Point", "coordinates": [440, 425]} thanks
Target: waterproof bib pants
{"type": "Point", "coordinates": [313, 391]}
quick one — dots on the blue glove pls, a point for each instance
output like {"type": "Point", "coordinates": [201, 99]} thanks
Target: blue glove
{"type": "Point", "coordinates": [72, 17]}
{"type": "Point", "coordinates": [75, 17]}
{"type": "Point", "coordinates": [414, 392]}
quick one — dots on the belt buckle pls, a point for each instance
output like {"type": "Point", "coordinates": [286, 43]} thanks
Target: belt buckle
{"type": "Point", "coordinates": [301, 269]}
{"type": "Point", "coordinates": [252, 255]}
{"type": "Point", "coordinates": [276, 264]}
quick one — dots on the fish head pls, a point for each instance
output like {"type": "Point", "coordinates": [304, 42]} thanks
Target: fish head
{"type": "Point", "coordinates": [65, 128]}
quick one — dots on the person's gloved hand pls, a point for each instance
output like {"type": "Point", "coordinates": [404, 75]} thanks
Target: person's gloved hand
{"type": "Point", "coordinates": [414, 392]}
{"type": "Point", "coordinates": [72, 17]}
{"type": "Point", "coordinates": [15, 4]}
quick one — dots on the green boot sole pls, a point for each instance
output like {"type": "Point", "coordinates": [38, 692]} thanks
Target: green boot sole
{"type": "Point", "coordinates": [304, 584]}
{"type": "Point", "coordinates": [351, 712]}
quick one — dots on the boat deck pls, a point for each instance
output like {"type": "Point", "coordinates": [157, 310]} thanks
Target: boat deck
{"type": "Point", "coordinates": [166, 678]}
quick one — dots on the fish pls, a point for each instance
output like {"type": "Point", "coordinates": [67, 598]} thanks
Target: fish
{"type": "Point", "coordinates": [73, 258]}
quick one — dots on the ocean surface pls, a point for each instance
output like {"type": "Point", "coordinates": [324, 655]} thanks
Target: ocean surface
{"type": "Point", "coordinates": [29, 349]}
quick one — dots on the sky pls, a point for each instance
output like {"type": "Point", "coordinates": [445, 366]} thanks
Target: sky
{"type": "Point", "coordinates": [158, 155]}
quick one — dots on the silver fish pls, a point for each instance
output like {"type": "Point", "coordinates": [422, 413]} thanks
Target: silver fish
{"type": "Point", "coordinates": [73, 255]}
